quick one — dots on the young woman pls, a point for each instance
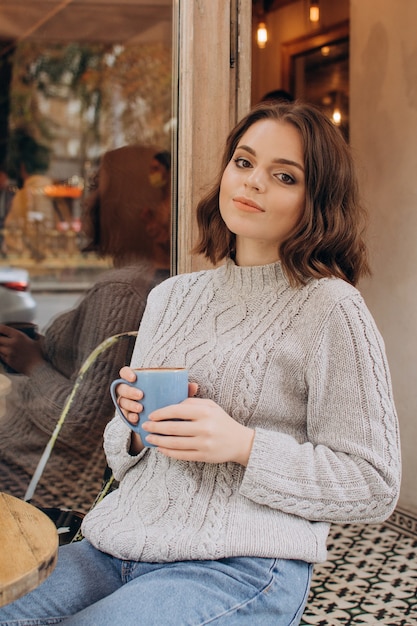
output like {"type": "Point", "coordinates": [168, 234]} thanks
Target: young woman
{"type": "Point", "coordinates": [290, 425]}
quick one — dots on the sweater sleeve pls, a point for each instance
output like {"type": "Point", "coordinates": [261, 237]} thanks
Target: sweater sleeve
{"type": "Point", "coordinates": [348, 467]}
{"type": "Point", "coordinates": [117, 436]}
{"type": "Point", "coordinates": [108, 309]}
{"type": "Point", "coordinates": [117, 439]}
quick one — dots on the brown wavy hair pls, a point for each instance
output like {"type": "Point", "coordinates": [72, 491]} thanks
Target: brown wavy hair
{"type": "Point", "coordinates": [328, 240]}
{"type": "Point", "coordinates": [114, 212]}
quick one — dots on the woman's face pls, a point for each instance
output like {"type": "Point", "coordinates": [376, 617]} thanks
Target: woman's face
{"type": "Point", "coordinates": [262, 192]}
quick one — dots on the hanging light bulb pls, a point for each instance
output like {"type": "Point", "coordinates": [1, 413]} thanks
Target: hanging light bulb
{"type": "Point", "coordinates": [337, 117]}
{"type": "Point", "coordinates": [337, 109]}
{"type": "Point", "coordinates": [261, 35]}
{"type": "Point", "coordinates": [314, 11]}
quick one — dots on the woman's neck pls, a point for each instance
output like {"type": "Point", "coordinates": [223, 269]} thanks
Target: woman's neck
{"type": "Point", "coordinates": [254, 253]}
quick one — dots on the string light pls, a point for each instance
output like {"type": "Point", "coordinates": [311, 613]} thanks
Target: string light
{"type": "Point", "coordinates": [314, 11]}
{"type": "Point", "coordinates": [261, 35]}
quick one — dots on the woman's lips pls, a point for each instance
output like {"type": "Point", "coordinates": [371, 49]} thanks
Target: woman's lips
{"type": "Point", "coordinates": [245, 204]}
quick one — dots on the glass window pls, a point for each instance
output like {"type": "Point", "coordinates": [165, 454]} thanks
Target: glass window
{"type": "Point", "coordinates": [86, 129]}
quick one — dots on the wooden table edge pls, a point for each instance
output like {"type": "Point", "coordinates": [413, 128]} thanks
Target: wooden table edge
{"type": "Point", "coordinates": [40, 543]}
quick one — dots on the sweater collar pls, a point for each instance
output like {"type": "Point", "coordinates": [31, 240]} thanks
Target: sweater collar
{"type": "Point", "coordinates": [254, 279]}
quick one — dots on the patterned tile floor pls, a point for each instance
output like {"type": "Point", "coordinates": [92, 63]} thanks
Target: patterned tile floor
{"type": "Point", "coordinates": [370, 578]}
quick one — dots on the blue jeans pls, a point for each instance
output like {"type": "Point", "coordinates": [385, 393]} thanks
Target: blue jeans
{"type": "Point", "coordinates": [91, 588]}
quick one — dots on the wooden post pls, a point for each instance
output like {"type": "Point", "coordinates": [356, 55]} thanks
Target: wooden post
{"type": "Point", "coordinates": [213, 91]}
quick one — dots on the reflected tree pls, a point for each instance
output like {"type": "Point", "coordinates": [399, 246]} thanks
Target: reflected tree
{"type": "Point", "coordinates": [84, 99]}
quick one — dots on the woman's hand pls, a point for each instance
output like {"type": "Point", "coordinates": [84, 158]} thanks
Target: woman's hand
{"type": "Point", "coordinates": [129, 397]}
{"type": "Point", "coordinates": [129, 401]}
{"type": "Point", "coordinates": [206, 433]}
{"type": "Point", "coordinates": [18, 351]}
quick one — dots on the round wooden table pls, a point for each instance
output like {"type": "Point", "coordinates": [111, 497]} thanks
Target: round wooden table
{"type": "Point", "coordinates": [28, 548]}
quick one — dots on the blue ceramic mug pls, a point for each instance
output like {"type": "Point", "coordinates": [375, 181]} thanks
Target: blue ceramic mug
{"type": "Point", "coordinates": [161, 386]}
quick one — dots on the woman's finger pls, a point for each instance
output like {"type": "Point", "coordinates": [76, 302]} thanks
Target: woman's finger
{"type": "Point", "coordinates": [130, 406]}
{"type": "Point", "coordinates": [129, 392]}
{"type": "Point", "coordinates": [127, 373]}
{"type": "Point", "coordinates": [191, 409]}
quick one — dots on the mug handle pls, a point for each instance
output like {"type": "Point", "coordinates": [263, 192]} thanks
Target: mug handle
{"type": "Point", "coordinates": [120, 381]}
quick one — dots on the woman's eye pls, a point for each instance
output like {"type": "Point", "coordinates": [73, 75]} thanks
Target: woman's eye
{"type": "Point", "coordinates": [286, 178]}
{"type": "Point", "coordinates": [241, 162]}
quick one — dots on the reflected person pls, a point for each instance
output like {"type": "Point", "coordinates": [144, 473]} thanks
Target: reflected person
{"type": "Point", "coordinates": [30, 208]}
{"type": "Point", "coordinates": [49, 366]}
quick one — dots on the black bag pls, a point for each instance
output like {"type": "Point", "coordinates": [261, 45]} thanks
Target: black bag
{"type": "Point", "coordinates": [67, 522]}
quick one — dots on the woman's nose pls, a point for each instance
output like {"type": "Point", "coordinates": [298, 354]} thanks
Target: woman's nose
{"type": "Point", "coordinates": [256, 180]}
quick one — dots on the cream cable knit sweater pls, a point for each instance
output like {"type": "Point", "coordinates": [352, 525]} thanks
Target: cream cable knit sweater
{"type": "Point", "coordinates": [306, 369]}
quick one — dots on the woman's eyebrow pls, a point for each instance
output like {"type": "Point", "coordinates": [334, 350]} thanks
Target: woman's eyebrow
{"type": "Point", "coordinates": [280, 161]}
{"type": "Point", "coordinates": [289, 162]}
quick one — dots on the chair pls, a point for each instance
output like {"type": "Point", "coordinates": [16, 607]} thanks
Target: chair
{"type": "Point", "coordinates": [67, 521]}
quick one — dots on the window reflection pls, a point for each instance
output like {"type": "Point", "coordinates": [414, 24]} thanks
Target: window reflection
{"type": "Point", "coordinates": [85, 121]}
{"type": "Point", "coordinates": [77, 100]}
{"type": "Point", "coordinates": [321, 76]}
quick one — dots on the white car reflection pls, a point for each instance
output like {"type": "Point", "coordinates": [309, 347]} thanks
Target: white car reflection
{"type": "Point", "coordinates": [16, 301]}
